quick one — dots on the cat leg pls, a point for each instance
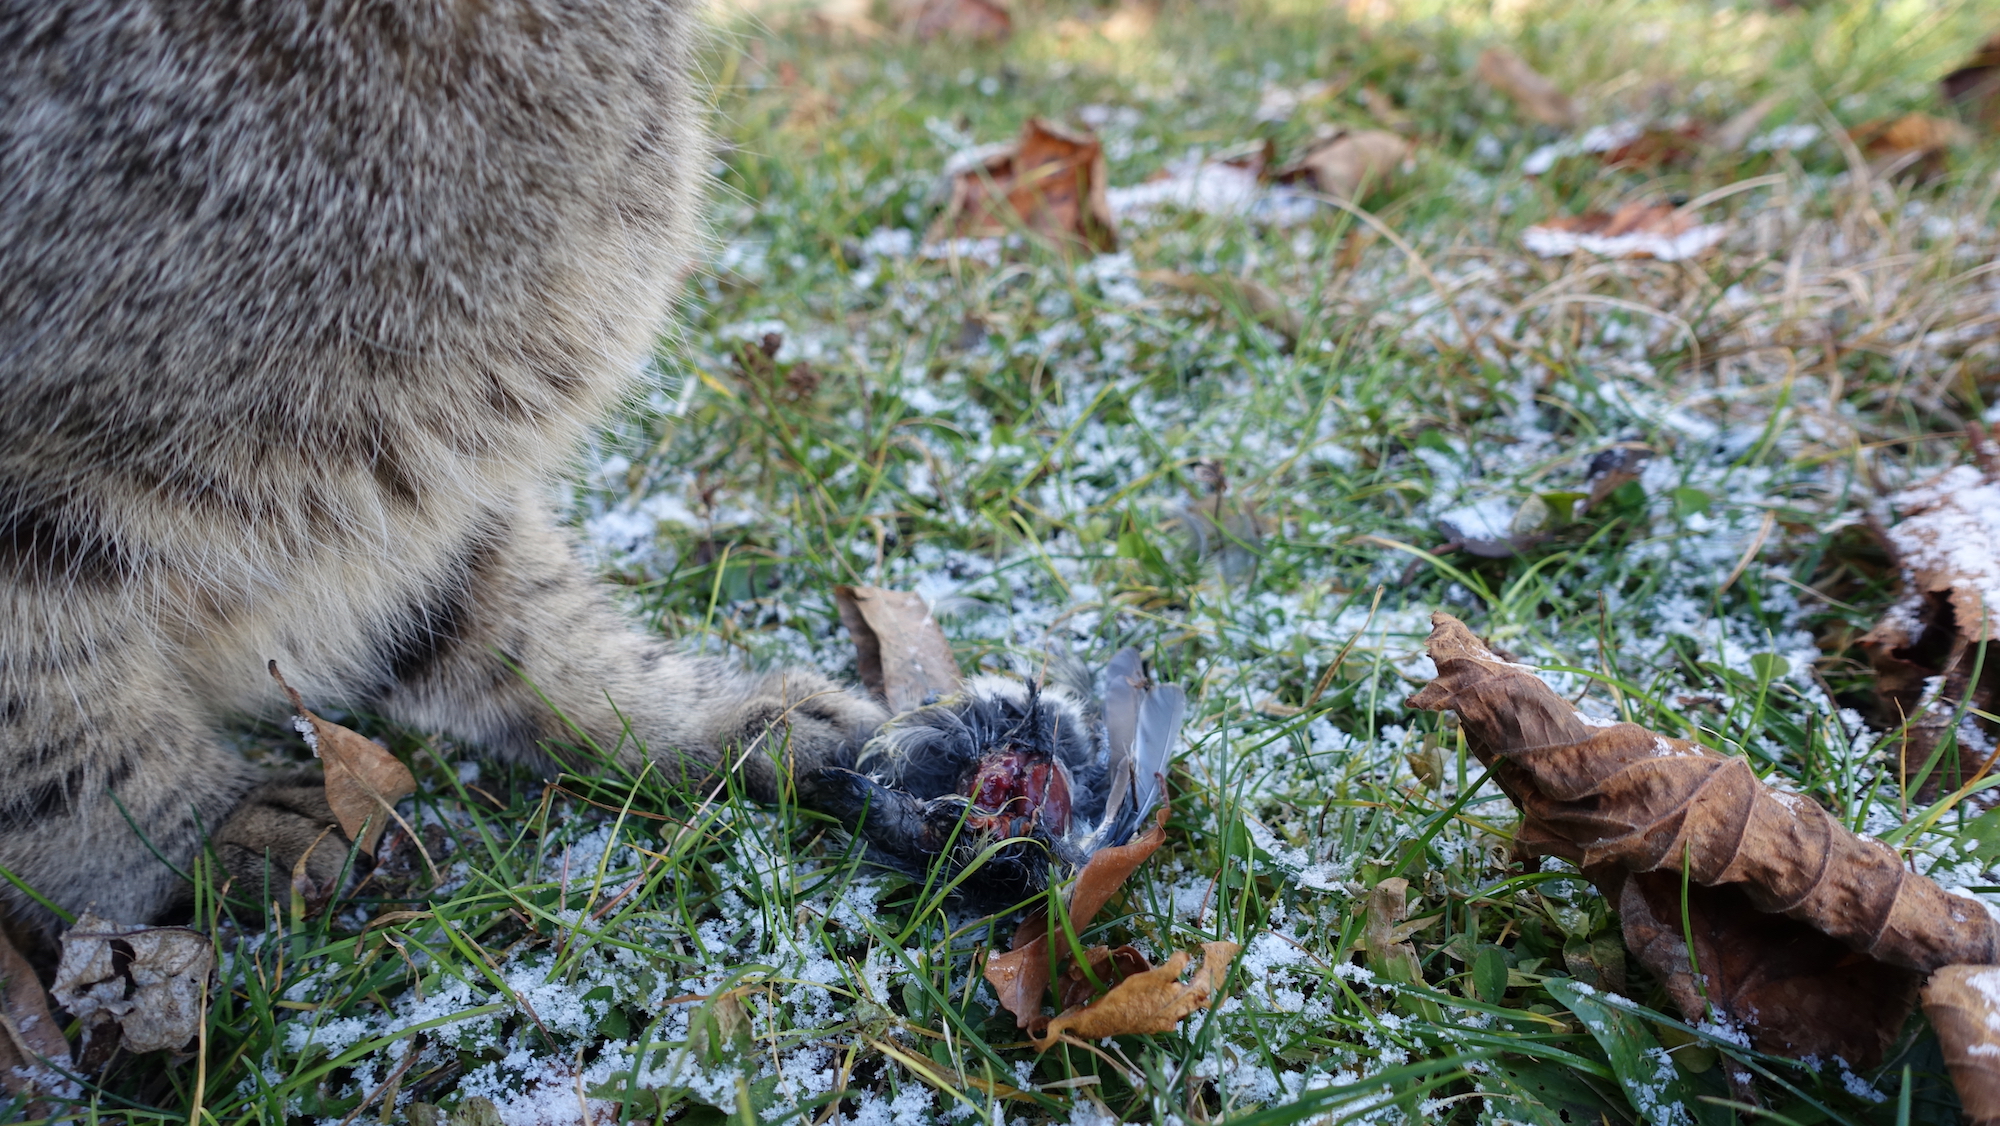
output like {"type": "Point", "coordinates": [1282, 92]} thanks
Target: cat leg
{"type": "Point", "coordinates": [112, 772]}
{"type": "Point", "coordinates": [520, 650]}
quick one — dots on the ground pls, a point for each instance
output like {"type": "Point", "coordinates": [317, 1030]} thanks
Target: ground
{"type": "Point", "coordinates": [1062, 453]}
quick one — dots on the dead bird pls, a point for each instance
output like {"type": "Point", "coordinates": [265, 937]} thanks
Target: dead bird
{"type": "Point", "coordinates": [1011, 784]}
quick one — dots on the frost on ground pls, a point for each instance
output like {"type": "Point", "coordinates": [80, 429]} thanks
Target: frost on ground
{"type": "Point", "coordinates": [1064, 457]}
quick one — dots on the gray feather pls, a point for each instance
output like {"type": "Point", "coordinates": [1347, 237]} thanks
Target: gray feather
{"type": "Point", "coordinates": [1160, 714]}
{"type": "Point", "coordinates": [1125, 686]}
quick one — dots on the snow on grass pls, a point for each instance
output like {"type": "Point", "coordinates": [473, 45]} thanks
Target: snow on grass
{"type": "Point", "coordinates": [1060, 456]}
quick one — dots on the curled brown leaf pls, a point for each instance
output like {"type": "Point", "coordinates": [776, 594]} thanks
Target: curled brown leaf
{"type": "Point", "coordinates": [31, 1042]}
{"type": "Point", "coordinates": [1926, 649]}
{"type": "Point", "coordinates": [1155, 1000]}
{"type": "Point", "coordinates": [1388, 954]}
{"type": "Point", "coordinates": [1915, 145]}
{"type": "Point", "coordinates": [1050, 182]}
{"type": "Point", "coordinates": [1536, 95]}
{"type": "Point", "coordinates": [1350, 164]}
{"type": "Point", "coordinates": [1975, 85]}
{"type": "Point", "coordinates": [900, 651]}
{"type": "Point", "coordinates": [1635, 230]}
{"type": "Point", "coordinates": [1637, 810]}
{"type": "Point", "coordinates": [1021, 975]}
{"type": "Point", "coordinates": [363, 780]}
{"type": "Point", "coordinates": [1963, 1004]}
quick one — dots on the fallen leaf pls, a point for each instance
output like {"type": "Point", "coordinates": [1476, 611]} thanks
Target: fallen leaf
{"type": "Point", "coordinates": [1349, 164]}
{"type": "Point", "coordinates": [1811, 993]}
{"type": "Point", "coordinates": [1598, 961]}
{"type": "Point", "coordinates": [1021, 975]}
{"type": "Point", "coordinates": [1237, 295]}
{"type": "Point", "coordinates": [1975, 85]}
{"type": "Point", "coordinates": [1914, 142]}
{"type": "Point", "coordinates": [972, 21]}
{"type": "Point", "coordinates": [1912, 132]}
{"type": "Point", "coordinates": [1655, 147]}
{"type": "Point", "coordinates": [1050, 181]}
{"type": "Point", "coordinates": [1946, 540]}
{"type": "Point", "coordinates": [363, 780]}
{"type": "Point", "coordinates": [31, 1042]}
{"type": "Point", "coordinates": [1963, 1004]}
{"type": "Point", "coordinates": [1107, 966]}
{"type": "Point", "coordinates": [901, 652]}
{"type": "Point", "coordinates": [150, 982]}
{"type": "Point", "coordinates": [1537, 96]}
{"type": "Point", "coordinates": [1388, 954]}
{"type": "Point", "coordinates": [1152, 1001]}
{"type": "Point", "coordinates": [1635, 230]}
{"type": "Point", "coordinates": [1767, 871]}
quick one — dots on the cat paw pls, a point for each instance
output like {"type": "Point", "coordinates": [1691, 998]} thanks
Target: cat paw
{"type": "Point", "coordinates": [271, 828]}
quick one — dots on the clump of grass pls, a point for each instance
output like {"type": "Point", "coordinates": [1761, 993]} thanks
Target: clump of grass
{"type": "Point", "coordinates": [1061, 456]}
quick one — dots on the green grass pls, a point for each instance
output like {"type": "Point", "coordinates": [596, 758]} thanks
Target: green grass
{"type": "Point", "coordinates": [1035, 445]}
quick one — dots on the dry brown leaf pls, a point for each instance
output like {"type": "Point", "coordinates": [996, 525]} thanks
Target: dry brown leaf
{"type": "Point", "coordinates": [1947, 541]}
{"type": "Point", "coordinates": [1107, 966]}
{"type": "Point", "coordinates": [30, 1039]}
{"type": "Point", "coordinates": [1051, 181]}
{"type": "Point", "coordinates": [1814, 996]}
{"type": "Point", "coordinates": [1021, 975]}
{"type": "Point", "coordinates": [1153, 1001]}
{"type": "Point", "coordinates": [1635, 230]}
{"type": "Point", "coordinates": [1910, 133]}
{"type": "Point", "coordinates": [1262, 302]}
{"type": "Point", "coordinates": [1963, 1004]}
{"type": "Point", "coordinates": [1916, 143]}
{"type": "Point", "coordinates": [1975, 85]}
{"type": "Point", "coordinates": [1634, 808]}
{"type": "Point", "coordinates": [363, 780]}
{"type": "Point", "coordinates": [148, 981]}
{"type": "Point", "coordinates": [1388, 954]}
{"type": "Point", "coordinates": [1655, 148]}
{"type": "Point", "coordinates": [971, 21]}
{"type": "Point", "coordinates": [1348, 165]}
{"type": "Point", "coordinates": [901, 652]}
{"type": "Point", "coordinates": [1537, 96]}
